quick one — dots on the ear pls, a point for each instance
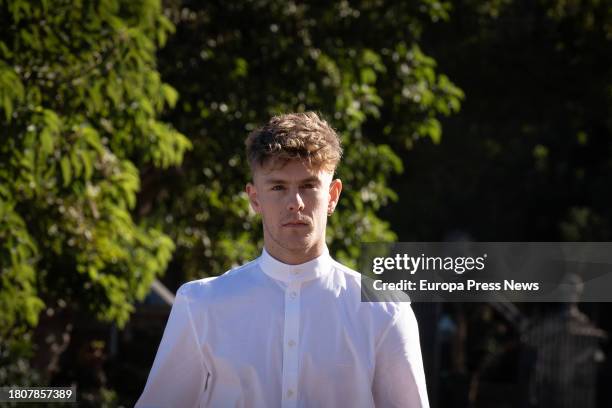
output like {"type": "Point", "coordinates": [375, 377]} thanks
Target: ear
{"type": "Point", "coordinates": [335, 188]}
{"type": "Point", "coordinates": [252, 193]}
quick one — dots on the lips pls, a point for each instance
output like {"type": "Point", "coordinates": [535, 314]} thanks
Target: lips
{"type": "Point", "coordinates": [295, 224]}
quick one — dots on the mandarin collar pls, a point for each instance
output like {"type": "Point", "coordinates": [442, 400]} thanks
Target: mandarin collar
{"type": "Point", "coordinates": [295, 273]}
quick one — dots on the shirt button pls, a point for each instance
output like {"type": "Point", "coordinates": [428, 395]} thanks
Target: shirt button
{"type": "Point", "coordinates": [290, 393]}
{"type": "Point", "coordinates": [293, 295]}
{"type": "Point", "coordinates": [291, 343]}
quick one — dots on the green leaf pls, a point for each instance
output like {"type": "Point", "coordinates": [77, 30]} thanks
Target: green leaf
{"type": "Point", "coordinates": [46, 142]}
{"type": "Point", "coordinates": [76, 163]}
{"type": "Point", "coordinates": [66, 170]}
{"type": "Point", "coordinates": [170, 95]}
{"type": "Point", "coordinates": [87, 160]}
{"type": "Point", "coordinates": [368, 76]}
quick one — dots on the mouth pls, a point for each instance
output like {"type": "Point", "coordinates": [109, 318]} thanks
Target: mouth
{"type": "Point", "coordinates": [295, 224]}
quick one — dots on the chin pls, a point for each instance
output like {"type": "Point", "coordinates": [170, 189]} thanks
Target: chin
{"type": "Point", "coordinates": [297, 245]}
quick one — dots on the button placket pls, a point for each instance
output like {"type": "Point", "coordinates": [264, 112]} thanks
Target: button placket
{"type": "Point", "coordinates": [290, 342]}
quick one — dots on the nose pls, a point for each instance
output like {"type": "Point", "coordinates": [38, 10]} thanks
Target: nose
{"type": "Point", "coordinates": [295, 202]}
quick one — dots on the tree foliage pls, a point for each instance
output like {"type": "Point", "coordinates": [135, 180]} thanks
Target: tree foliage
{"type": "Point", "coordinates": [94, 191]}
{"type": "Point", "coordinates": [529, 158]}
{"type": "Point", "coordinates": [80, 97]}
{"type": "Point", "coordinates": [235, 64]}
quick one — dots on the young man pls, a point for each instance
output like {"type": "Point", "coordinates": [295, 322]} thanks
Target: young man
{"type": "Point", "coordinates": [289, 328]}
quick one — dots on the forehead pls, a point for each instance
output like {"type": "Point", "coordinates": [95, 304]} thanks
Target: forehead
{"type": "Point", "coordinates": [293, 170]}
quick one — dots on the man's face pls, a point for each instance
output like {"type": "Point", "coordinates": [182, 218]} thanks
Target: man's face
{"type": "Point", "coordinates": [294, 201]}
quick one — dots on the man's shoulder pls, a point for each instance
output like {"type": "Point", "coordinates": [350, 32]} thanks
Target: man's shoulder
{"type": "Point", "coordinates": [215, 286]}
{"type": "Point", "coordinates": [381, 307]}
{"type": "Point", "coordinates": [347, 275]}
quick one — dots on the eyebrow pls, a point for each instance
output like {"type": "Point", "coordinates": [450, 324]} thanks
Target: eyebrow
{"type": "Point", "coordinates": [306, 180]}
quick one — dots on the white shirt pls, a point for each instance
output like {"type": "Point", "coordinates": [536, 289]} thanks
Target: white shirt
{"type": "Point", "coordinates": [268, 334]}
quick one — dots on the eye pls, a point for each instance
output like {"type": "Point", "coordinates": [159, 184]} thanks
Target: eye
{"type": "Point", "coordinates": [278, 187]}
{"type": "Point", "coordinates": [308, 185]}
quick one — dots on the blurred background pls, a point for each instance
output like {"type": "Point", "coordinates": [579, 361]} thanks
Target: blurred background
{"type": "Point", "coordinates": [122, 170]}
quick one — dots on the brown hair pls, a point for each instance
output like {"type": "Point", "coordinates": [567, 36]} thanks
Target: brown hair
{"type": "Point", "coordinates": [304, 136]}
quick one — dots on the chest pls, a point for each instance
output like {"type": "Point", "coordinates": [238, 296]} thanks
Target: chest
{"type": "Point", "coordinates": [293, 326]}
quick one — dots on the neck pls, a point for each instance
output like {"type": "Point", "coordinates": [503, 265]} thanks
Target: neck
{"type": "Point", "coordinates": [294, 257]}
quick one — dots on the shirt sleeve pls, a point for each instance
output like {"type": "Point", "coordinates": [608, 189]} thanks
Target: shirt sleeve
{"type": "Point", "coordinates": [178, 375]}
{"type": "Point", "coordinates": [399, 378]}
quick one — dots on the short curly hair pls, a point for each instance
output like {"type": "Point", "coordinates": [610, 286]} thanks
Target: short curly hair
{"type": "Point", "coordinates": [303, 136]}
